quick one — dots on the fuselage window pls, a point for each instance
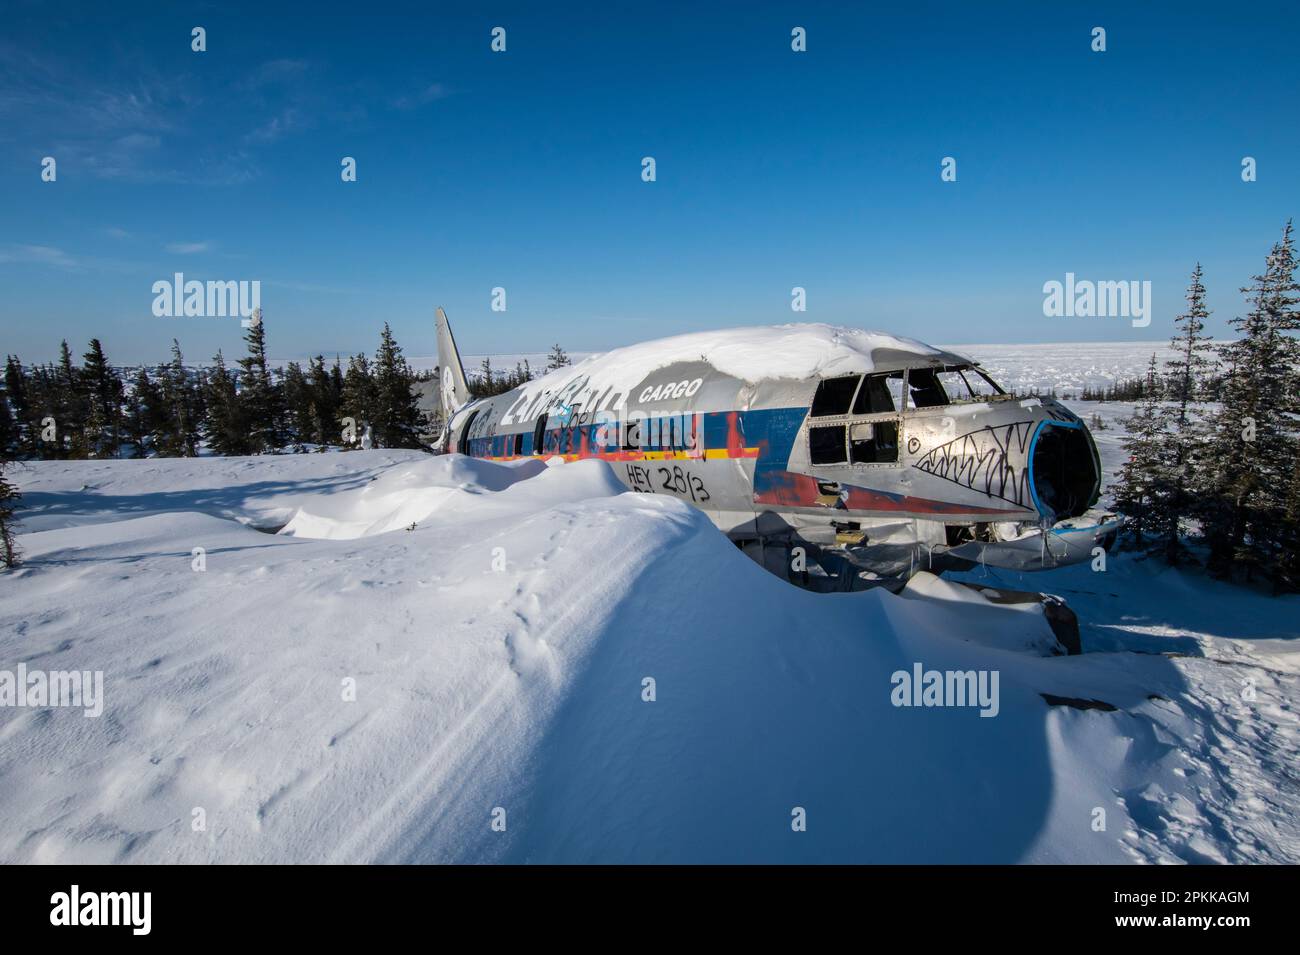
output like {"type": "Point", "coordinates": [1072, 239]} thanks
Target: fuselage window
{"type": "Point", "coordinates": [873, 442]}
{"type": "Point", "coordinates": [834, 395]}
{"type": "Point", "coordinates": [826, 444]}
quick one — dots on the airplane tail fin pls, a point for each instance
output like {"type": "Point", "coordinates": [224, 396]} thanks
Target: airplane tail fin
{"type": "Point", "coordinates": [454, 385]}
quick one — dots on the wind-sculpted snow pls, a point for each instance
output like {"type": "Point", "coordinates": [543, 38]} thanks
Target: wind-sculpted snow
{"type": "Point", "coordinates": [464, 642]}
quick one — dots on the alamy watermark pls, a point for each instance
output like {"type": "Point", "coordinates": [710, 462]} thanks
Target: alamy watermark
{"type": "Point", "coordinates": [82, 689]}
{"type": "Point", "coordinates": [922, 687]}
{"type": "Point", "coordinates": [193, 299]}
{"type": "Point", "coordinates": [130, 909]}
{"type": "Point", "coordinates": [1087, 299]}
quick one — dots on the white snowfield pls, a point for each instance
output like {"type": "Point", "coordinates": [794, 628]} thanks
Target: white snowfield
{"type": "Point", "coordinates": [499, 653]}
{"type": "Point", "coordinates": [1067, 368]}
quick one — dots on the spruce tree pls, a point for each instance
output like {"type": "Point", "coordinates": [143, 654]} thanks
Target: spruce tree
{"type": "Point", "coordinates": [324, 401]}
{"type": "Point", "coordinates": [102, 395]}
{"type": "Point", "coordinates": [178, 422]}
{"type": "Point", "coordinates": [360, 396]}
{"type": "Point", "coordinates": [336, 379]}
{"type": "Point", "coordinates": [1289, 534]}
{"type": "Point", "coordinates": [299, 410]}
{"type": "Point", "coordinates": [261, 401]}
{"type": "Point", "coordinates": [1254, 435]}
{"type": "Point", "coordinates": [68, 407]}
{"type": "Point", "coordinates": [18, 393]}
{"type": "Point", "coordinates": [1182, 442]}
{"type": "Point", "coordinates": [397, 421]}
{"type": "Point", "coordinates": [1143, 491]}
{"type": "Point", "coordinates": [43, 406]}
{"type": "Point", "coordinates": [9, 496]}
{"type": "Point", "coordinates": [8, 428]}
{"type": "Point", "coordinates": [557, 358]}
{"type": "Point", "coordinates": [226, 433]}
{"type": "Point", "coordinates": [143, 418]}
{"type": "Point", "coordinates": [9, 434]}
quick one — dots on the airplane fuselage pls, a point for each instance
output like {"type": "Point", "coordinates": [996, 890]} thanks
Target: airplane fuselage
{"type": "Point", "coordinates": [914, 447]}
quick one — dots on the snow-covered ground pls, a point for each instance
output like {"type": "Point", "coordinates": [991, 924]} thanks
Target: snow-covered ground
{"type": "Point", "coordinates": [382, 656]}
{"type": "Point", "coordinates": [1066, 367]}
{"type": "Point", "coordinates": [431, 641]}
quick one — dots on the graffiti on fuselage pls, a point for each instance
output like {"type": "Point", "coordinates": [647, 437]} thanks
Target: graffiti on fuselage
{"type": "Point", "coordinates": [994, 460]}
{"type": "Point", "coordinates": [484, 424]}
{"type": "Point", "coordinates": [667, 479]}
{"type": "Point", "coordinates": [574, 393]}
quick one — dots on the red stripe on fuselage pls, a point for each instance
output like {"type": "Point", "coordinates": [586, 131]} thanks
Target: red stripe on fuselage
{"type": "Point", "coordinates": [800, 490]}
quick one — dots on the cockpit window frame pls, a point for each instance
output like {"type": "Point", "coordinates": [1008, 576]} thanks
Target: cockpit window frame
{"type": "Point", "coordinates": [813, 411]}
{"type": "Point", "coordinates": [962, 371]}
{"type": "Point", "coordinates": [822, 425]}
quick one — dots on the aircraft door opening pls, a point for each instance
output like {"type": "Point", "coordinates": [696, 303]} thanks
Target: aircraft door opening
{"type": "Point", "coordinates": [539, 435]}
{"type": "Point", "coordinates": [463, 444]}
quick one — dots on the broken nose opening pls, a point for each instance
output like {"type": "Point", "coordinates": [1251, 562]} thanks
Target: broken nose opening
{"type": "Point", "coordinates": [1062, 470]}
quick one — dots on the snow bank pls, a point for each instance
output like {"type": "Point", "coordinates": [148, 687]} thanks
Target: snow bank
{"type": "Point", "coordinates": [387, 696]}
{"type": "Point", "coordinates": [405, 495]}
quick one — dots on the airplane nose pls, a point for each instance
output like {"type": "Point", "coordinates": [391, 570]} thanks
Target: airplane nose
{"type": "Point", "coordinates": [1064, 471]}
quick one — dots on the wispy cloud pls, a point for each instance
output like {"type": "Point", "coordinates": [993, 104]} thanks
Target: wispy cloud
{"type": "Point", "coordinates": [286, 89]}
{"type": "Point", "coordinates": [285, 122]}
{"type": "Point", "coordinates": [430, 93]}
{"type": "Point", "coordinates": [188, 248]}
{"type": "Point", "coordinates": [272, 72]}
{"type": "Point", "coordinates": [125, 120]}
{"type": "Point", "coordinates": [116, 232]}
{"type": "Point", "coordinates": [32, 255]}
{"type": "Point", "coordinates": [38, 255]}
{"type": "Point", "coordinates": [131, 124]}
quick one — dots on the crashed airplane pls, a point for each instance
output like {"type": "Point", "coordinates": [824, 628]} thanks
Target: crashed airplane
{"type": "Point", "coordinates": [870, 455]}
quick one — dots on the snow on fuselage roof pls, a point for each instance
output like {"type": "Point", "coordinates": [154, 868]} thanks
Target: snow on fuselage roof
{"type": "Point", "coordinates": [752, 354]}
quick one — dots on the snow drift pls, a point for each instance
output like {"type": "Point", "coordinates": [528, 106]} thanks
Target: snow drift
{"type": "Point", "coordinates": [432, 645]}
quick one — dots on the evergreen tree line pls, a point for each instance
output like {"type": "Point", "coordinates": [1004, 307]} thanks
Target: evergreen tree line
{"type": "Point", "coordinates": [1135, 389]}
{"type": "Point", "coordinates": [490, 382]}
{"type": "Point", "coordinates": [64, 410]}
{"type": "Point", "coordinates": [1227, 477]}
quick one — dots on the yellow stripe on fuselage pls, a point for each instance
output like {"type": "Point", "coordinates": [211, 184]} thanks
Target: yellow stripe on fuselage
{"type": "Point", "coordinates": [710, 454]}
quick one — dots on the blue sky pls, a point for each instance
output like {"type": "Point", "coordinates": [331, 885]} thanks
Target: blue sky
{"type": "Point", "coordinates": [522, 169]}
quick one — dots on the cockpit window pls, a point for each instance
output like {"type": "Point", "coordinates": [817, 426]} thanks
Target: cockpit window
{"type": "Point", "coordinates": [926, 390]}
{"type": "Point", "coordinates": [966, 384]}
{"type": "Point", "coordinates": [880, 394]}
{"type": "Point", "coordinates": [981, 383]}
{"type": "Point", "coordinates": [933, 387]}
{"type": "Point", "coordinates": [834, 395]}
{"type": "Point", "coordinates": [884, 393]}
